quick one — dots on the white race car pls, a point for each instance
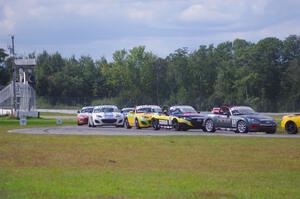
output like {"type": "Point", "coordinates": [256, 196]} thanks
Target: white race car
{"type": "Point", "coordinates": [106, 115]}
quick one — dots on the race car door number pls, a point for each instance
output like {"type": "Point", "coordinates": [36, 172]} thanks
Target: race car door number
{"type": "Point", "coordinates": [164, 122]}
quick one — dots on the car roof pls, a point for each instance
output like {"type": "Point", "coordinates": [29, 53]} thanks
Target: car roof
{"type": "Point", "coordinates": [181, 106]}
{"type": "Point", "coordinates": [236, 107]}
{"type": "Point", "coordinates": [106, 106]}
{"type": "Point", "coordinates": [123, 109]}
{"type": "Point", "coordinates": [85, 107]}
{"type": "Point", "coordinates": [147, 106]}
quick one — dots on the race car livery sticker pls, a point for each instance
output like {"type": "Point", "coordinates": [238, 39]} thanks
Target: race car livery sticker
{"type": "Point", "coordinates": [164, 122]}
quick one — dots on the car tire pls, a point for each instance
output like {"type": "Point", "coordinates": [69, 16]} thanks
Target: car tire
{"type": "Point", "coordinates": [241, 127]}
{"type": "Point", "coordinates": [136, 123]}
{"type": "Point", "coordinates": [92, 124]}
{"type": "Point", "coordinates": [209, 126]}
{"type": "Point", "coordinates": [126, 124]}
{"type": "Point", "coordinates": [155, 124]}
{"type": "Point", "coordinates": [291, 127]}
{"type": "Point", "coordinates": [176, 125]}
{"type": "Point", "coordinates": [184, 127]}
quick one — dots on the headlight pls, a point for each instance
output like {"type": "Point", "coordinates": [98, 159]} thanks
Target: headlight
{"type": "Point", "coordinates": [118, 115]}
{"type": "Point", "coordinates": [252, 120]}
{"type": "Point", "coordinates": [99, 116]}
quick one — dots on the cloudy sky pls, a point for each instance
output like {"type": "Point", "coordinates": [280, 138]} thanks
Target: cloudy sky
{"type": "Point", "coordinates": [99, 27]}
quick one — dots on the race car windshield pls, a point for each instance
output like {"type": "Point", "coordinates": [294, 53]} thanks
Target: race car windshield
{"type": "Point", "coordinates": [87, 110]}
{"type": "Point", "coordinates": [188, 110]}
{"type": "Point", "coordinates": [156, 110]}
{"type": "Point", "coordinates": [149, 110]}
{"type": "Point", "coordinates": [243, 111]}
{"type": "Point", "coordinates": [105, 110]}
{"type": "Point", "coordinates": [126, 110]}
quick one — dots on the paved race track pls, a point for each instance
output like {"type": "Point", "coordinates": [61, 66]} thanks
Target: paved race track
{"type": "Point", "coordinates": [113, 131]}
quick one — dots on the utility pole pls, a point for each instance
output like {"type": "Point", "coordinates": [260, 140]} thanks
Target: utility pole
{"type": "Point", "coordinates": [14, 75]}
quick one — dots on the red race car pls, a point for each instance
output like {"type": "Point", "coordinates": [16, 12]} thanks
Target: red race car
{"type": "Point", "coordinates": [83, 115]}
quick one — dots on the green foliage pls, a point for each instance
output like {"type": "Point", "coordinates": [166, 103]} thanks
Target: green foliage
{"type": "Point", "coordinates": [264, 75]}
{"type": "Point", "coordinates": [4, 71]}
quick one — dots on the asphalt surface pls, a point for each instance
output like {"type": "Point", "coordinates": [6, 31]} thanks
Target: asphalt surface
{"type": "Point", "coordinates": [113, 131]}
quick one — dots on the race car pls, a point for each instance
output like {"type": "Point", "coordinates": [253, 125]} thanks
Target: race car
{"type": "Point", "coordinates": [83, 115]}
{"type": "Point", "coordinates": [241, 119]}
{"type": "Point", "coordinates": [125, 111]}
{"type": "Point", "coordinates": [291, 123]}
{"type": "Point", "coordinates": [141, 117]}
{"type": "Point", "coordinates": [106, 115]}
{"type": "Point", "coordinates": [180, 118]}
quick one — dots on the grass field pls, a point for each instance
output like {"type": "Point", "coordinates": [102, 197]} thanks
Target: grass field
{"type": "Point", "coordinates": [58, 166]}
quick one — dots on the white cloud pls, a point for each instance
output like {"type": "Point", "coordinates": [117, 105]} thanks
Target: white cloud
{"type": "Point", "coordinates": [98, 27]}
{"type": "Point", "coordinates": [140, 15]}
{"type": "Point", "coordinates": [7, 24]}
{"type": "Point", "coordinates": [204, 13]}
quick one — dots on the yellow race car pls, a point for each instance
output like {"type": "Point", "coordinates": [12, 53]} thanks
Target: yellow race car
{"type": "Point", "coordinates": [181, 118]}
{"type": "Point", "coordinates": [291, 123]}
{"type": "Point", "coordinates": [167, 121]}
{"type": "Point", "coordinates": [141, 117]}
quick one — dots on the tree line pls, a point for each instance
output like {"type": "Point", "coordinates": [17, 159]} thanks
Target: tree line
{"type": "Point", "coordinates": [264, 75]}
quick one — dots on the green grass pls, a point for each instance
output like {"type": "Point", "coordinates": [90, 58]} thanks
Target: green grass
{"type": "Point", "coordinates": [64, 166]}
{"type": "Point", "coordinates": [33, 122]}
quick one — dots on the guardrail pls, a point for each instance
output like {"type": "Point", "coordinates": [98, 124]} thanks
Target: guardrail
{"type": "Point", "coordinates": [66, 111]}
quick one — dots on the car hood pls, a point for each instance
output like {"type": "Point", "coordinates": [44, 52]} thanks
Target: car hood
{"type": "Point", "coordinates": [291, 116]}
{"type": "Point", "coordinates": [257, 116]}
{"type": "Point", "coordinates": [191, 115]}
{"type": "Point", "coordinates": [83, 114]}
{"type": "Point", "coordinates": [146, 114]}
{"type": "Point", "coordinates": [110, 114]}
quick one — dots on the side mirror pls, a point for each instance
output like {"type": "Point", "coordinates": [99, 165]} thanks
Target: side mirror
{"type": "Point", "coordinates": [78, 111]}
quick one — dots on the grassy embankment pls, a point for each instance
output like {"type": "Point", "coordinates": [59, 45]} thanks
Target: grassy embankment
{"type": "Point", "coordinates": [58, 166]}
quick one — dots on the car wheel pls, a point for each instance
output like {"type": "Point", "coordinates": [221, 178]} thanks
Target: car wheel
{"type": "Point", "coordinates": [242, 127]}
{"type": "Point", "coordinates": [209, 126]}
{"type": "Point", "coordinates": [291, 127]}
{"type": "Point", "coordinates": [127, 125]}
{"type": "Point", "coordinates": [136, 123]}
{"type": "Point", "coordinates": [92, 124]}
{"type": "Point", "coordinates": [272, 131]}
{"type": "Point", "coordinates": [176, 125]}
{"type": "Point", "coordinates": [184, 127]}
{"type": "Point", "coordinates": [155, 124]}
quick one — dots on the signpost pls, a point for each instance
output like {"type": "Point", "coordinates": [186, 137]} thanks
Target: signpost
{"type": "Point", "coordinates": [59, 121]}
{"type": "Point", "coordinates": [23, 121]}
